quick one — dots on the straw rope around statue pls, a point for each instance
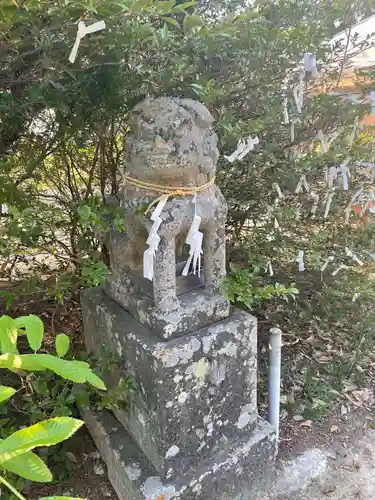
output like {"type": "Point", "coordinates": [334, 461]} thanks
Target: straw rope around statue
{"type": "Point", "coordinates": [194, 238]}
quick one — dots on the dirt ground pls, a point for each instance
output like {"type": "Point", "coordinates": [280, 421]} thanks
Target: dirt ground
{"type": "Point", "coordinates": [346, 443]}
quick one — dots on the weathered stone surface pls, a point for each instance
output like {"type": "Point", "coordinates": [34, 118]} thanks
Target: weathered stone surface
{"type": "Point", "coordinates": [197, 309]}
{"type": "Point", "coordinates": [233, 472]}
{"type": "Point", "coordinates": [171, 143]}
{"type": "Point", "coordinates": [196, 393]}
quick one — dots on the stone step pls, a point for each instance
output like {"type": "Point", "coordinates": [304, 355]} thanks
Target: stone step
{"type": "Point", "coordinates": [233, 473]}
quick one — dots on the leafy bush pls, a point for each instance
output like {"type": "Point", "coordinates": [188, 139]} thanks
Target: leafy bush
{"type": "Point", "coordinates": [247, 287]}
{"type": "Point", "coordinates": [15, 450]}
{"type": "Point", "coordinates": [60, 177]}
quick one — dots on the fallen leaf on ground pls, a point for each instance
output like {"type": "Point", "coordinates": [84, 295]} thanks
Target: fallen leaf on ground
{"type": "Point", "coordinates": [353, 401]}
{"type": "Point", "coordinates": [350, 388]}
{"type": "Point", "coordinates": [306, 423]}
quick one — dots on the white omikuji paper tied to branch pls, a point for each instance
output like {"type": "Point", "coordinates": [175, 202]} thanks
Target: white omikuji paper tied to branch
{"type": "Point", "coordinates": [241, 145]}
{"type": "Point", "coordinates": [329, 199]}
{"type": "Point", "coordinates": [309, 64]}
{"type": "Point", "coordinates": [82, 31]}
{"type": "Point", "coordinates": [243, 148]}
{"type": "Point", "coordinates": [345, 172]}
{"type": "Point", "coordinates": [329, 259]}
{"type": "Point", "coordinates": [353, 256]}
{"type": "Point", "coordinates": [302, 183]}
{"type": "Point", "coordinates": [277, 188]}
{"type": "Point", "coordinates": [315, 197]}
{"type": "Point", "coordinates": [285, 108]}
{"type": "Point", "coordinates": [250, 143]}
{"type": "Point", "coordinates": [300, 260]}
{"type": "Point", "coordinates": [298, 92]}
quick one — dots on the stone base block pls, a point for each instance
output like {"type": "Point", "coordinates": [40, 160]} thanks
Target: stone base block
{"type": "Point", "coordinates": [233, 473]}
{"type": "Point", "coordinates": [196, 309]}
{"type": "Point", "coordinates": [195, 394]}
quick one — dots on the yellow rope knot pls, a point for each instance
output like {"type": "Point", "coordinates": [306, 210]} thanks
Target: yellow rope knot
{"type": "Point", "coordinates": [166, 190]}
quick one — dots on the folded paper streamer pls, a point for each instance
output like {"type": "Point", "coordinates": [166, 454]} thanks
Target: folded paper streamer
{"type": "Point", "coordinates": [194, 240]}
{"type": "Point", "coordinates": [84, 30]}
{"type": "Point", "coordinates": [243, 148]}
{"type": "Point", "coordinates": [153, 240]}
{"type": "Point", "coordinates": [301, 264]}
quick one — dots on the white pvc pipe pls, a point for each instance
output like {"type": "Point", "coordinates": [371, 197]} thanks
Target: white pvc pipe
{"type": "Point", "coordinates": [274, 377]}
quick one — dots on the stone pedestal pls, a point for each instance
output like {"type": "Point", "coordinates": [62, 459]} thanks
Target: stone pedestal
{"type": "Point", "coordinates": [192, 430]}
{"type": "Point", "coordinates": [192, 422]}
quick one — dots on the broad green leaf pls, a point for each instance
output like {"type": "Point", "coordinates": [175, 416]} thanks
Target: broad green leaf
{"type": "Point", "coordinates": [27, 362]}
{"type": "Point", "coordinates": [84, 213]}
{"type": "Point", "coordinates": [34, 330]}
{"type": "Point", "coordinates": [76, 371]}
{"type": "Point", "coordinates": [6, 393]}
{"type": "Point", "coordinates": [29, 466]}
{"type": "Point", "coordinates": [46, 433]}
{"type": "Point", "coordinates": [8, 335]}
{"type": "Point", "coordinates": [62, 344]}
{"type": "Point", "coordinates": [192, 21]}
{"type": "Point", "coordinates": [95, 381]}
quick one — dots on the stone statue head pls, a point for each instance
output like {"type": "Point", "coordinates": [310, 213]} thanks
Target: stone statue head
{"type": "Point", "coordinates": [171, 142]}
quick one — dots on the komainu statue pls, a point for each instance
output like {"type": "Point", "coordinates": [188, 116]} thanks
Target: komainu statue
{"type": "Point", "coordinates": [170, 164]}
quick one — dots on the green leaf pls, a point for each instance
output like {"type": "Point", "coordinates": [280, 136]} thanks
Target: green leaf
{"type": "Point", "coordinates": [34, 330]}
{"type": "Point", "coordinates": [171, 20]}
{"type": "Point", "coordinates": [8, 335]}
{"type": "Point", "coordinates": [192, 21]}
{"type": "Point", "coordinates": [84, 213]}
{"type": "Point", "coordinates": [62, 498]}
{"type": "Point", "coordinates": [29, 466]}
{"type": "Point", "coordinates": [76, 371]}
{"type": "Point", "coordinates": [164, 7]}
{"type": "Point", "coordinates": [62, 344]}
{"type": "Point", "coordinates": [95, 381]}
{"type": "Point", "coordinates": [6, 393]}
{"type": "Point", "coordinates": [46, 433]}
{"type": "Point", "coordinates": [164, 33]}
